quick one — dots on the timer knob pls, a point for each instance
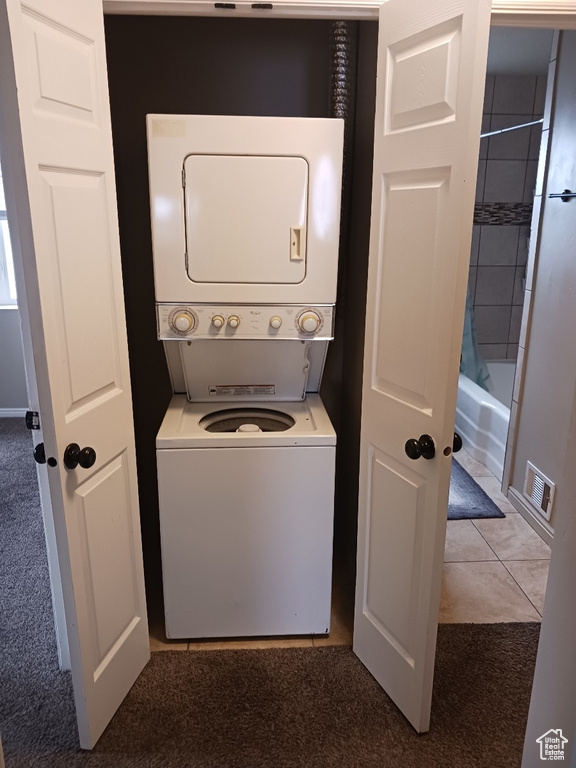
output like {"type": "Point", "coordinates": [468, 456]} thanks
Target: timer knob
{"type": "Point", "coordinates": [309, 322]}
{"type": "Point", "coordinates": [233, 321]}
{"type": "Point", "coordinates": [275, 322]}
{"type": "Point", "coordinates": [217, 321]}
{"type": "Point", "coordinates": [182, 321]}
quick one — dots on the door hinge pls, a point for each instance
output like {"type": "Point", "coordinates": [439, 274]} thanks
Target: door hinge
{"type": "Point", "coordinates": [32, 419]}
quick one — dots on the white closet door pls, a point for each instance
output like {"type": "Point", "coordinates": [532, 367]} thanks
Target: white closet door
{"type": "Point", "coordinates": [431, 72]}
{"type": "Point", "coordinates": [59, 173]}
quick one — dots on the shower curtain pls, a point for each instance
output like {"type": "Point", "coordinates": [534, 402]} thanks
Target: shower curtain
{"type": "Point", "coordinates": [471, 361]}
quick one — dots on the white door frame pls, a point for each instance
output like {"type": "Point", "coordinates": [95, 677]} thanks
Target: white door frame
{"type": "Point", "coordinates": [552, 14]}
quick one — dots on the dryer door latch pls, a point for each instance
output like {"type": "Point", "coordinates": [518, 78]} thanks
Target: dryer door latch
{"type": "Point", "coordinates": [297, 243]}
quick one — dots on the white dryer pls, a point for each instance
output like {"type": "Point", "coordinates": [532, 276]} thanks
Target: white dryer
{"type": "Point", "coordinates": [246, 518]}
{"type": "Point", "coordinates": [245, 209]}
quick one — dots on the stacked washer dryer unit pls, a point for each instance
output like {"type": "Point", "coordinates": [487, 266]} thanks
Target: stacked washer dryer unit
{"type": "Point", "coordinates": [245, 227]}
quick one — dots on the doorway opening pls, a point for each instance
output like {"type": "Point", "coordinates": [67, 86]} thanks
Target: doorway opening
{"type": "Point", "coordinates": [506, 551]}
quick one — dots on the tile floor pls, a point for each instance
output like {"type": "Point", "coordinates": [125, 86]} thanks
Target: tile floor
{"type": "Point", "coordinates": [494, 571]}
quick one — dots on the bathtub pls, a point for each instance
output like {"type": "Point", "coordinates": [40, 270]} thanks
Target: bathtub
{"type": "Point", "coordinates": [482, 417]}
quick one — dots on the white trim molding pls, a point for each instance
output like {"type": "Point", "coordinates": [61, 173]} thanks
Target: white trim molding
{"type": "Point", "coordinates": [310, 9]}
{"type": "Point", "coordinates": [9, 413]}
{"type": "Point", "coordinates": [552, 14]}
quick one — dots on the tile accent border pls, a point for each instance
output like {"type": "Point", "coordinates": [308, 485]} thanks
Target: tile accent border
{"type": "Point", "coordinates": [502, 214]}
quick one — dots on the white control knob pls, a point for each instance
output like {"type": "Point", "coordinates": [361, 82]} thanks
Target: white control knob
{"type": "Point", "coordinates": [182, 321]}
{"type": "Point", "coordinates": [217, 321]}
{"type": "Point", "coordinates": [275, 322]}
{"type": "Point", "coordinates": [309, 322]}
{"type": "Point", "coordinates": [233, 321]}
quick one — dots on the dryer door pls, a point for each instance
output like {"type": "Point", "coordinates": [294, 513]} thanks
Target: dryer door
{"type": "Point", "coordinates": [246, 218]}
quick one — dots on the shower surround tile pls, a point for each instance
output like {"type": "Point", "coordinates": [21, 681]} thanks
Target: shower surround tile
{"type": "Point", "coordinates": [515, 325]}
{"type": "Point", "coordinates": [512, 352]}
{"type": "Point", "coordinates": [508, 181]}
{"type": "Point", "coordinates": [518, 295]}
{"type": "Point", "coordinates": [472, 281]}
{"type": "Point", "coordinates": [498, 246]}
{"type": "Point", "coordinates": [511, 145]}
{"type": "Point", "coordinates": [493, 351]}
{"type": "Point", "coordinates": [540, 96]}
{"type": "Point", "coordinates": [489, 93]}
{"type": "Point", "coordinates": [484, 142]}
{"type": "Point", "coordinates": [492, 323]}
{"type": "Point", "coordinates": [530, 181]}
{"type": "Point", "coordinates": [504, 181]}
{"type": "Point", "coordinates": [480, 180]}
{"type": "Point", "coordinates": [535, 138]}
{"type": "Point", "coordinates": [495, 286]}
{"type": "Point", "coordinates": [475, 244]}
{"type": "Point", "coordinates": [514, 95]}
{"type": "Point", "coordinates": [522, 253]}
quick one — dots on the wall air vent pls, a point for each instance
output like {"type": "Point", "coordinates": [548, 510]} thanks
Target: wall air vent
{"type": "Point", "coordinates": [539, 490]}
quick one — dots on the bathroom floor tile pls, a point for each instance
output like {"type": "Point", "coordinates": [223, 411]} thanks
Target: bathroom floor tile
{"type": "Point", "coordinates": [482, 593]}
{"type": "Point", "coordinates": [513, 539]}
{"type": "Point", "coordinates": [492, 486]}
{"type": "Point", "coordinates": [465, 544]}
{"type": "Point", "coordinates": [473, 467]}
{"type": "Point", "coordinates": [531, 576]}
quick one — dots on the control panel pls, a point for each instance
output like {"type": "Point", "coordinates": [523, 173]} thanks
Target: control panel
{"type": "Point", "coordinates": [203, 321]}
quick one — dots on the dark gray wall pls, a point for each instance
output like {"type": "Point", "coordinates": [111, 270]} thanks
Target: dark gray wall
{"type": "Point", "coordinates": [187, 65]}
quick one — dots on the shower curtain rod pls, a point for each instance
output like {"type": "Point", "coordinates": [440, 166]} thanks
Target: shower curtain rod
{"type": "Point", "coordinates": [512, 128]}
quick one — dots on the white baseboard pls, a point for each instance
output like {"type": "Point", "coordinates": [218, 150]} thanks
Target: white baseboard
{"type": "Point", "coordinates": [541, 526]}
{"type": "Point", "coordinates": [6, 413]}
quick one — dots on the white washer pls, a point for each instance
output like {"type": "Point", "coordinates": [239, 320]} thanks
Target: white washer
{"type": "Point", "coordinates": [246, 518]}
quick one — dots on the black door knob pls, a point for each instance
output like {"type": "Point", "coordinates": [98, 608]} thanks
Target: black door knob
{"type": "Point", "coordinates": [40, 454]}
{"type": "Point", "coordinates": [457, 443]}
{"type": "Point", "coordinates": [424, 447]}
{"type": "Point", "coordinates": [74, 456]}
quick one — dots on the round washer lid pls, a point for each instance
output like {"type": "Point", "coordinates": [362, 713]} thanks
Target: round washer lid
{"type": "Point", "coordinates": [233, 419]}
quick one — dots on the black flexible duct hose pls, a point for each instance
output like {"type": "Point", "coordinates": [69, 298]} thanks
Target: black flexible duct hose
{"type": "Point", "coordinates": [343, 88]}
